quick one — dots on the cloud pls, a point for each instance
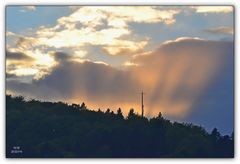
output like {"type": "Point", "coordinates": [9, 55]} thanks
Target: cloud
{"type": "Point", "coordinates": [23, 62]}
{"type": "Point", "coordinates": [120, 15]}
{"type": "Point", "coordinates": [28, 9]}
{"type": "Point", "coordinates": [220, 30]}
{"type": "Point", "coordinates": [9, 75]}
{"type": "Point", "coordinates": [181, 70]}
{"type": "Point", "coordinates": [107, 27]}
{"type": "Point", "coordinates": [174, 76]}
{"type": "Point", "coordinates": [24, 71]}
{"type": "Point", "coordinates": [9, 33]}
{"type": "Point", "coordinates": [17, 64]}
{"type": "Point", "coordinates": [213, 9]}
{"type": "Point", "coordinates": [103, 27]}
{"type": "Point", "coordinates": [79, 53]}
{"type": "Point", "coordinates": [125, 48]}
{"type": "Point", "coordinates": [30, 57]}
{"type": "Point", "coordinates": [17, 56]}
{"type": "Point", "coordinates": [25, 42]}
{"type": "Point", "coordinates": [93, 83]}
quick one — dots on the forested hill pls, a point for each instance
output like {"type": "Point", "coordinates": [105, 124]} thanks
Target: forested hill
{"type": "Point", "coordinates": [46, 129]}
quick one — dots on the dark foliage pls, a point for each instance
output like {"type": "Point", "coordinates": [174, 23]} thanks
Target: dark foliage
{"type": "Point", "coordinates": [46, 129]}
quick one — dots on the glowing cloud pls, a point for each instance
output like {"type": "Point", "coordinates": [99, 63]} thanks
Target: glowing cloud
{"type": "Point", "coordinates": [213, 9]}
{"type": "Point", "coordinates": [81, 28]}
{"type": "Point", "coordinates": [179, 72]}
{"type": "Point", "coordinates": [174, 76]}
{"type": "Point", "coordinates": [107, 27]}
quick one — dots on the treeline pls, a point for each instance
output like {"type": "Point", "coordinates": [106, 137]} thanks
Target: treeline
{"type": "Point", "coordinates": [48, 129]}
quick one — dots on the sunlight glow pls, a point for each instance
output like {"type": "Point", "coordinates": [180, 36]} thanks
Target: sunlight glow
{"type": "Point", "coordinates": [214, 9]}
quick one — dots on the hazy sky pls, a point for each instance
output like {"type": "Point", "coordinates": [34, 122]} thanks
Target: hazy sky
{"type": "Point", "coordinates": [181, 56]}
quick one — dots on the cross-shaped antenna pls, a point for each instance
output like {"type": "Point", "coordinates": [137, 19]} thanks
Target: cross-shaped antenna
{"type": "Point", "coordinates": [142, 104]}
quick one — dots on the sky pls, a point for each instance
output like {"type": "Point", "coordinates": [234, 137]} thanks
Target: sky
{"type": "Point", "coordinates": [182, 57]}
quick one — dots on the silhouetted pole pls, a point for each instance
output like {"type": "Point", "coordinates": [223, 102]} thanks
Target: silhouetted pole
{"type": "Point", "coordinates": [142, 105]}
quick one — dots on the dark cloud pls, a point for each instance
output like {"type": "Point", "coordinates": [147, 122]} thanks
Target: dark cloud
{"type": "Point", "coordinates": [220, 30]}
{"type": "Point", "coordinates": [61, 56]}
{"type": "Point", "coordinates": [17, 56]}
{"type": "Point", "coordinates": [87, 81]}
{"type": "Point", "coordinates": [215, 107]}
{"type": "Point", "coordinates": [26, 42]}
{"type": "Point", "coordinates": [10, 75]}
{"type": "Point", "coordinates": [181, 70]}
{"type": "Point", "coordinates": [203, 74]}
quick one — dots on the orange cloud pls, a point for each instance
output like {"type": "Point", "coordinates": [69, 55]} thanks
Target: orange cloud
{"type": "Point", "coordinates": [178, 72]}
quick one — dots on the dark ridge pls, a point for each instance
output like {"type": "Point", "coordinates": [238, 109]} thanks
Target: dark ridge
{"type": "Point", "coordinates": [38, 129]}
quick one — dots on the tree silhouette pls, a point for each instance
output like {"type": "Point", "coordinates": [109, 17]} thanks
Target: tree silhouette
{"type": "Point", "coordinates": [119, 113]}
{"type": "Point", "coordinates": [53, 129]}
{"type": "Point", "coordinates": [108, 111]}
{"type": "Point", "coordinates": [83, 106]}
{"type": "Point", "coordinates": [215, 134]}
{"type": "Point", "coordinates": [131, 114]}
{"type": "Point", "coordinates": [99, 110]}
{"type": "Point", "coordinates": [160, 117]}
{"type": "Point", "coordinates": [76, 107]}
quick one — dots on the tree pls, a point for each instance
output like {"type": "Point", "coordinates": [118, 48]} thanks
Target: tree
{"type": "Point", "coordinates": [119, 113]}
{"type": "Point", "coordinates": [131, 114]}
{"type": "Point", "coordinates": [108, 111]}
{"type": "Point", "coordinates": [89, 133]}
{"type": "Point", "coordinates": [159, 117]}
{"type": "Point", "coordinates": [83, 106]}
{"type": "Point", "coordinates": [19, 99]}
{"type": "Point", "coordinates": [215, 134]}
{"type": "Point", "coordinates": [75, 106]}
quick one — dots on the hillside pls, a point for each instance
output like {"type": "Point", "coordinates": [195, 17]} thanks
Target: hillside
{"type": "Point", "coordinates": [47, 129]}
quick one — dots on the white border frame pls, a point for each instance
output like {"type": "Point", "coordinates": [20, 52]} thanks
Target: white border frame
{"type": "Point", "coordinates": [117, 2]}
